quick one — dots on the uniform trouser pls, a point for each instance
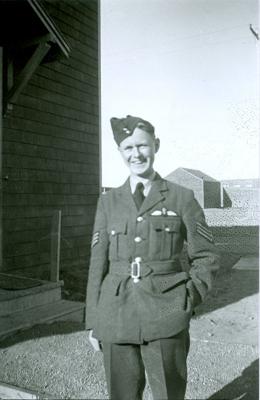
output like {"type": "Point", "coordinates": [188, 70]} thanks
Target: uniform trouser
{"type": "Point", "coordinates": [163, 360]}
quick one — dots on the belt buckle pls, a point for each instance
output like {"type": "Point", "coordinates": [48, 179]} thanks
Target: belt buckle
{"type": "Point", "coordinates": [135, 271]}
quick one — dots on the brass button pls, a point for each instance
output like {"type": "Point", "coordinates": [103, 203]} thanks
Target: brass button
{"type": "Point", "coordinates": [138, 239]}
{"type": "Point", "coordinates": [139, 219]}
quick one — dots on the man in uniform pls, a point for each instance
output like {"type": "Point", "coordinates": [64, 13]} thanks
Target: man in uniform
{"type": "Point", "coordinates": [139, 299]}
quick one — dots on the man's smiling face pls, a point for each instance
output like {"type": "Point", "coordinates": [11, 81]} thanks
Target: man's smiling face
{"type": "Point", "coordinates": [138, 152]}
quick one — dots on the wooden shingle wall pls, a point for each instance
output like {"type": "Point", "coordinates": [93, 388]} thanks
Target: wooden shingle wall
{"type": "Point", "coordinates": [51, 150]}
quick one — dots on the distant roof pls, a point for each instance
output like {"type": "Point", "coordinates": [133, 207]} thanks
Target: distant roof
{"type": "Point", "coordinates": [255, 183]}
{"type": "Point", "coordinates": [195, 172]}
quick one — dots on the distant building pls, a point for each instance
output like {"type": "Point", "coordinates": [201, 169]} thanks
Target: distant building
{"type": "Point", "coordinates": [207, 190]}
{"type": "Point", "coordinates": [242, 192]}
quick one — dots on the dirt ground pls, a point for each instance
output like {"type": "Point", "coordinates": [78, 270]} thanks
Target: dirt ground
{"type": "Point", "coordinates": [56, 359]}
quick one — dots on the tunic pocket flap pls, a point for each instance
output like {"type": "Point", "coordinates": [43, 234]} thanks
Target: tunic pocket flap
{"type": "Point", "coordinates": [163, 283]}
{"type": "Point", "coordinates": [168, 224]}
{"type": "Point", "coordinates": [118, 227]}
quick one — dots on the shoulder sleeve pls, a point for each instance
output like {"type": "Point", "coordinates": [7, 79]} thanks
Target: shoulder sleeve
{"type": "Point", "coordinates": [98, 263]}
{"type": "Point", "coordinates": [202, 253]}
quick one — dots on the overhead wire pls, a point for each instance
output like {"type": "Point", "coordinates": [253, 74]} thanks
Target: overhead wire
{"type": "Point", "coordinates": [179, 40]}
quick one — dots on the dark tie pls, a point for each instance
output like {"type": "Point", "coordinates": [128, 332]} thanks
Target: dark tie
{"type": "Point", "coordinates": [138, 195]}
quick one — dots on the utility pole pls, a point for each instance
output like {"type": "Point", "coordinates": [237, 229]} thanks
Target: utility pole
{"type": "Point", "coordinates": [254, 32]}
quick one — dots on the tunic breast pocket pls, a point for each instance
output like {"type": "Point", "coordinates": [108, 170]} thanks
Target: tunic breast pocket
{"type": "Point", "coordinates": [164, 235]}
{"type": "Point", "coordinates": [118, 240]}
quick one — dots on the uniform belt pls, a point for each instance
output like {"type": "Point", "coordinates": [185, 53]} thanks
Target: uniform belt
{"type": "Point", "coordinates": [138, 269]}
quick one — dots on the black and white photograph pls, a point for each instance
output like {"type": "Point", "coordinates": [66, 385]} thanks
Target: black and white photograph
{"type": "Point", "coordinates": [129, 199]}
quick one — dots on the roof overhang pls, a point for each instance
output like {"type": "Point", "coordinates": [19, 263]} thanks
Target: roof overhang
{"type": "Point", "coordinates": [24, 23]}
{"type": "Point", "coordinates": [29, 37]}
{"type": "Point", "coordinates": [55, 36]}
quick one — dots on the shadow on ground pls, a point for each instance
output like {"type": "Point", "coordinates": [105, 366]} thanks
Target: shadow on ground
{"type": "Point", "coordinates": [245, 387]}
{"type": "Point", "coordinates": [43, 330]}
{"type": "Point", "coordinates": [230, 285]}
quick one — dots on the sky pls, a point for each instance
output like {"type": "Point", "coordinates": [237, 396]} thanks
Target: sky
{"type": "Point", "coordinates": [190, 68]}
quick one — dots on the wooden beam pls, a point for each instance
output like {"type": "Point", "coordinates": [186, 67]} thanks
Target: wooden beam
{"type": "Point", "coordinates": [10, 74]}
{"type": "Point", "coordinates": [55, 246]}
{"type": "Point", "coordinates": [36, 40]}
{"type": "Point", "coordinates": [1, 154]}
{"type": "Point", "coordinates": [26, 73]}
{"type": "Point", "coordinates": [50, 25]}
{"type": "Point", "coordinates": [7, 108]}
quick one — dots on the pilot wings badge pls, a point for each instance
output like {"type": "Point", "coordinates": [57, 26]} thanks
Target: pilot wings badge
{"type": "Point", "coordinates": [164, 212]}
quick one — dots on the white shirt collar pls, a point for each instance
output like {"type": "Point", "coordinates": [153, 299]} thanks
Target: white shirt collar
{"type": "Point", "coordinates": [147, 182]}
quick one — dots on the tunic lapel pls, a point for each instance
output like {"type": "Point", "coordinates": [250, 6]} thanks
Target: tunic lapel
{"type": "Point", "coordinates": [156, 195]}
{"type": "Point", "coordinates": [126, 197]}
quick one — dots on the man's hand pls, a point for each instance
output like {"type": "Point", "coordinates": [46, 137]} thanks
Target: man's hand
{"type": "Point", "coordinates": [94, 342]}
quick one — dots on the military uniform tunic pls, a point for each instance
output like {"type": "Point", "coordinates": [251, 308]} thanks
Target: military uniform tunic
{"type": "Point", "coordinates": [149, 241]}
